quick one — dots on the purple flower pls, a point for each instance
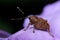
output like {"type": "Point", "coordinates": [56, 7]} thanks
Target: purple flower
{"type": "Point", "coordinates": [51, 12]}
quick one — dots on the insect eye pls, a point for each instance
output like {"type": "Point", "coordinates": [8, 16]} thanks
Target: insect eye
{"type": "Point", "coordinates": [29, 18]}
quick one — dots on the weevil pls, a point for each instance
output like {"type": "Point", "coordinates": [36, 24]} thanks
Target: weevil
{"type": "Point", "coordinates": [39, 24]}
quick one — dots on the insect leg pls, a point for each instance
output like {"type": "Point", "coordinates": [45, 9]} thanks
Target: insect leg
{"type": "Point", "coordinates": [27, 27]}
{"type": "Point", "coordinates": [50, 32]}
{"type": "Point", "coordinates": [33, 30]}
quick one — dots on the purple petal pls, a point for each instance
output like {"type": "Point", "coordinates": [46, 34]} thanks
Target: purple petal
{"type": "Point", "coordinates": [4, 34]}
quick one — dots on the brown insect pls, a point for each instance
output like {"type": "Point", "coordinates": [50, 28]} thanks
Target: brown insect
{"type": "Point", "coordinates": [39, 24]}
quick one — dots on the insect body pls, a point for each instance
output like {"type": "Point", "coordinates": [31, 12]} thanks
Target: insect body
{"type": "Point", "coordinates": [39, 24]}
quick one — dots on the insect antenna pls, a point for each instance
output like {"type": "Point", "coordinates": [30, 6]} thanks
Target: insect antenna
{"type": "Point", "coordinates": [21, 14]}
{"type": "Point", "coordinates": [20, 10]}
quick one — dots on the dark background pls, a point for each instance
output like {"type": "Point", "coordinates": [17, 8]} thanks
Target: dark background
{"type": "Point", "coordinates": [8, 10]}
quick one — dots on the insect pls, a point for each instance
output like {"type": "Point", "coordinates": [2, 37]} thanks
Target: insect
{"type": "Point", "coordinates": [39, 24]}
